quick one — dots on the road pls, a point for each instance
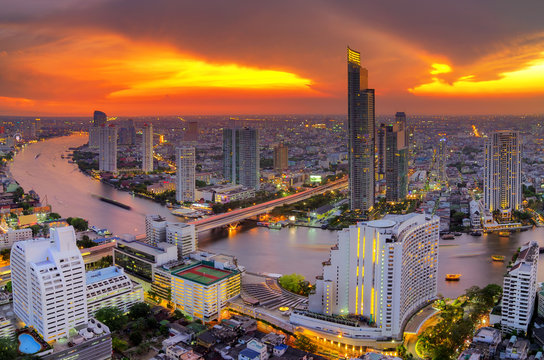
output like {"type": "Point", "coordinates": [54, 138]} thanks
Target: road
{"type": "Point", "coordinates": [242, 214]}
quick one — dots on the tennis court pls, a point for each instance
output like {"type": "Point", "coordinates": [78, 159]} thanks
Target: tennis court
{"type": "Point", "coordinates": [203, 274]}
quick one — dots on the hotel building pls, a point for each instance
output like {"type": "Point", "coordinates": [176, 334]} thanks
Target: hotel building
{"type": "Point", "coordinates": [379, 274]}
{"type": "Point", "coordinates": [111, 287]}
{"type": "Point", "coordinates": [519, 290]}
{"type": "Point", "coordinates": [48, 278]}
{"type": "Point", "coordinates": [241, 156]}
{"type": "Point", "coordinates": [502, 172]}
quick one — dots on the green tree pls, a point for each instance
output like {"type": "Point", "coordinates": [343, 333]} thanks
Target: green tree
{"type": "Point", "coordinates": [119, 345]}
{"type": "Point", "coordinates": [54, 216]}
{"type": "Point", "coordinates": [163, 330]}
{"type": "Point", "coordinates": [85, 242]}
{"type": "Point", "coordinates": [35, 230]}
{"type": "Point", "coordinates": [112, 317]}
{"type": "Point", "coordinates": [294, 283]}
{"type": "Point", "coordinates": [305, 343]}
{"type": "Point", "coordinates": [8, 287]}
{"type": "Point", "coordinates": [135, 338]}
{"type": "Point", "coordinates": [139, 310]}
{"type": "Point", "coordinates": [5, 254]}
{"type": "Point", "coordinates": [8, 348]}
{"type": "Point", "coordinates": [79, 224]}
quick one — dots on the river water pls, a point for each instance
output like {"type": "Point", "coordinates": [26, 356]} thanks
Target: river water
{"type": "Point", "coordinates": [284, 251]}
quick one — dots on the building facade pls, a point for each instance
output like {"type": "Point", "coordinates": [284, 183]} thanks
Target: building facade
{"type": "Point", "coordinates": [99, 120]}
{"type": "Point", "coordinates": [519, 290]}
{"type": "Point", "coordinates": [155, 229]}
{"type": "Point", "coordinates": [111, 287]}
{"type": "Point", "coordinates": [10, 237]}
{"type": "Point", "coordinates": [502, 172]}
{"type": "Point", "coordinates": [380, 146]}
{"type": "Point", "coordinates": [361, 124]}
{"type": "Point", "coordinates": [202, 289]}
{"type": "Point", "coordinates": [241, 158]}
{"type": "Point", "coordinates": [147, 148]}
{"type": "Point", "coordinates": [107, 141]}
{"type": "Point", "coordinates": [185, 174]}
{"type": "Point", "coordinates": [382, 270]}
{"type": "Point", "coordinates": [281, 158]}
{"type": "Point", "coordinates": [48, 279]}
{"type": "Point", "coordinates": [183, 236]}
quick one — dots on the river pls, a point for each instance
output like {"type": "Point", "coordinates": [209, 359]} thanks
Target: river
{"type": "Point", "coordinates": [284, 251]}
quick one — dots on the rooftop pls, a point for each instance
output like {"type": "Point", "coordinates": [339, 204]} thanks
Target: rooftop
{"type": "Point", "coordinates": [102, 274]}
{"type": "Point", "coordinates": [203, 274]}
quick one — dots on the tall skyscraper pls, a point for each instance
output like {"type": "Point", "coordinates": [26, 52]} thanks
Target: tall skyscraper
{"type": "Point", "coordinates": [190, 132]}
{"type": "Point", "coordinates": [281, 160]}
{"type": "Point", "coordinates": [241, 158]}
{"type": "Point", "coordinates": [99, 119]}
{"type": "Point", "coordinates": [520, 290]}
{"type": "Point", "coordinates": [383, 270]}
{"type": "Point", "coordinates": [147, 148]}
{"type": "Point", "coordinates": [48, 279]}
{"type": "Point", "coordinates": [185, 173]}
{"type": "Point", "coordinates": [107, 160]}
{"type": "Point", "coordinates": [381, 152]}
{"type": "Point", "coordinates": [396, 163]}
{"type": "Point", "coordinates": [361, 124]}
{"type": "Point", "coordinates": [502, 172]}
{"type": "Point", "coordinates": [127, 133]}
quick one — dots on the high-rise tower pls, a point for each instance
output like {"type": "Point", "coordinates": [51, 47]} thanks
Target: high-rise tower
{"type": "Point", "coordinates": [185, 174]}
{"type": "Point", "coordinates": [281, 161]}
{"type": "Point", "coordinates": [396, 162]}
{"type": "Point", "coordinates": [502, 172]}
{"type": "Point", "coordinates": [147, 148]}
{"type": "Point", "coordinates": [381, 152]}
{"type": "Point", "coordinates": [241, 158]}
{"type": "Point", "coordinates": [361, 119]}
{"type": "Point", "coordinates": [99, 119]}
{"type": "Point", "coordinates": [107, 148]}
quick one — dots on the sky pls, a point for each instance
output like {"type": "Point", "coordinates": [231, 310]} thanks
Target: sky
{"type": "Point", "coordinates": [181, 57]}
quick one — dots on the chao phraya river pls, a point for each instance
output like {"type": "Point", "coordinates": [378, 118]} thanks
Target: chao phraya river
{"type": "Point", "coordinates": [297, 249]}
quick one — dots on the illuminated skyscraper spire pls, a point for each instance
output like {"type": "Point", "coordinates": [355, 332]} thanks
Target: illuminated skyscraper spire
{"type": "Point", "coordinates": [361, 120]}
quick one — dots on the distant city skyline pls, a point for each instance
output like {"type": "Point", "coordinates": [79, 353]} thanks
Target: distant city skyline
{"type": "Point", "coordinates": [464, 57]}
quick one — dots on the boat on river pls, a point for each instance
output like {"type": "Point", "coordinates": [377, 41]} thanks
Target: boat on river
{"type": "Point", "coordinates": [113, 202]}
{"type": "Point", "coordinates": [504, 233]}
{"type": "Point", "coordinates": [497, 257]}
{"type": "Point", "coordinates": [453, 277]}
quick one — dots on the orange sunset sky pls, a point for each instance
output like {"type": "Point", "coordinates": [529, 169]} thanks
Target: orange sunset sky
{"type": "Point", "coordinates": [141, 57]}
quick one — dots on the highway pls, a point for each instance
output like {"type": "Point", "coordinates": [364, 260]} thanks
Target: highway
{"type": "Point", "coordinates": [242, 214]}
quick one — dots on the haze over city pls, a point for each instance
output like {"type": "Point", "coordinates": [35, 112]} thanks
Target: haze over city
{"type": "Point", "coordinates": [244, 57]}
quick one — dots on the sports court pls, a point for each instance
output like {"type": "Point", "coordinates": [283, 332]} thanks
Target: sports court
{"type": "Point", "coordinates": [203, 274]}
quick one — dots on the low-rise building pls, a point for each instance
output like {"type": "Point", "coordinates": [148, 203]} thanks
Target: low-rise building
{"type": "Point", "coordinates": [7, 330]}
{"type": "Point", "coordinates": [11, 236]}
{"type": "Point", "coordinates": [225, 193]}
{"type": "Point", "coordinates": [203, 289]}
{"type": "Point", "coordinates": [111, 287]}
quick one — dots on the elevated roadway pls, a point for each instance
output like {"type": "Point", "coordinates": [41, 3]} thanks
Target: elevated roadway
{"type": "Point", "coordinates": [245, 213]}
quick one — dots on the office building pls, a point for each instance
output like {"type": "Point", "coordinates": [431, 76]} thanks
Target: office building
{"type": "Point", "coordinates": [519, 290]}
{"type": "Point", "coordinates": [225, 193]}
{"type": "Point", "coordinates": [202, 289]}
{"type": "Point", "coordinates": [183, 236]}
{"type": "Point", "coordinates": [241, 158]}
{"type": "Point", "coordinates": [380, 143]}
{"type": "Point", "coordinates": [396, 163]}
{"type": "Point", "coordinates": [111, 287]}
{"type": "Point", "coordinates": [138, 259]}
{"type": "Point", "coordinates": [383, 270]}
{"type": "Point", "coordinates": [48, 279]}
{"type": "Point", "coordinates": [107, 160]}
{"type": "Point", "coordinates": [502, 172]}
{"type": "Point", "coordinates": [155, 229]}
{"type": "Point", "coordinates": [99, 120]}
{"type": "Point", "coordinates": [190, 132]}
{"type": "Point", "coordinates": [185, 174]}
{"type": "Point", "coordinates": [281, 159]}
{"type": "Point", "coordinates": [361, 120]}
{"type": "Point", "coordinates": [147, 148]}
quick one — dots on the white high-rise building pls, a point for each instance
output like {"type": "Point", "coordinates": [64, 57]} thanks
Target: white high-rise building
{"type": "Point", "coordinates": [183, 236]}
{"type": "Point", "coordinates": [155, 229]}
{"type": "Point", "coordinates": [185, 174]}
{"type": "Point", "coordinates": [241, 157]}
{"type": "Point", "coordinates": [382, 270]}
{"type": "Point", "coordinates": [48, 278]}
{"type": "Point", "coordinates": [519, 290]}
{"type": "Point", "coordinates": [502, 172]}
{"type": "Point", "coordinates": [107, 160]}
{"type": "Point", "coordinates": [147, 148]}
